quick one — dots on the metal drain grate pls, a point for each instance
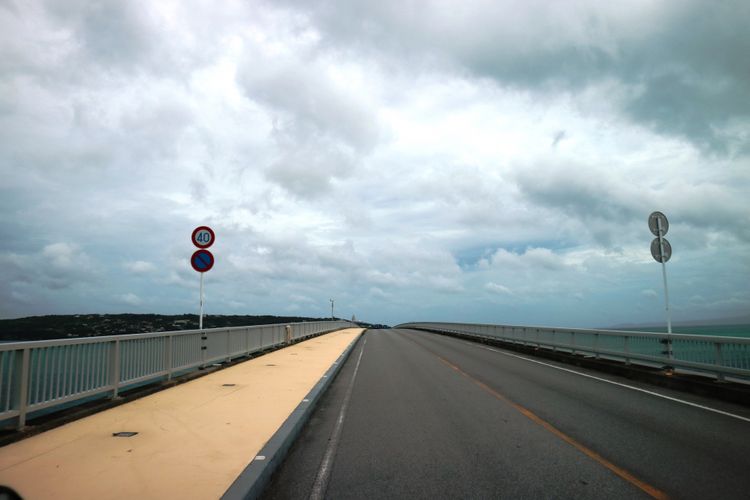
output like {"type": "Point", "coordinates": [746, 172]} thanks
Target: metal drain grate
{"type": "Point", "coordinates": [124, 434]}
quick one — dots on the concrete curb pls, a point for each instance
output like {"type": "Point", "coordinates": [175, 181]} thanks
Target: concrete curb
{"type": "Point", "coordinates": [252, 481]}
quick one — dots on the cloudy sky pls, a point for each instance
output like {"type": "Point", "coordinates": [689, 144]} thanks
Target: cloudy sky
{"type": "Point", "coordinates": [483, 161]}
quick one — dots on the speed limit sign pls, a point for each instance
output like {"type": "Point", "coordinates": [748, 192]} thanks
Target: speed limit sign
{"type": "Point", "coordinates": [203, 237]}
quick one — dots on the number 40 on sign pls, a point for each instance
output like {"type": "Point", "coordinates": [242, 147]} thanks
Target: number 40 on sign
{"type": "Point", "coordinates": [203, 236]}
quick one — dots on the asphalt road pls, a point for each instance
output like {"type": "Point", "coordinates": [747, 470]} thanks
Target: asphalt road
{"type": "Point", "coordinates": [429, 416]}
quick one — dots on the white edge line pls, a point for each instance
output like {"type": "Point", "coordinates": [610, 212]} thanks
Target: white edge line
{"type": "Point", "coordinates": [695, 405]}
{"type": "Point", "coordinates": [321, 480]}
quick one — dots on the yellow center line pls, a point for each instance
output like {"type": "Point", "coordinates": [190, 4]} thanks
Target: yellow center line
{"type": "Point", "coordinates": [645, 487]}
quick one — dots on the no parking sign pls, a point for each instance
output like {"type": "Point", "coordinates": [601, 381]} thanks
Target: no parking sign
{"type": "Point", "coordinates": [202, 261]}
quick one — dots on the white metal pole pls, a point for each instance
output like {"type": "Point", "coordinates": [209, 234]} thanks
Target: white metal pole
{"type": "Point", "coordinates": [666, 297]}
{"type": "Point", "coordinates": [200, 327]}
{"type": "Point", "coordinates": [666, 289]}
{"type": "Point", "coordinates": [664, 275]}
{"type": "Point", "coordinates": [200, 318]}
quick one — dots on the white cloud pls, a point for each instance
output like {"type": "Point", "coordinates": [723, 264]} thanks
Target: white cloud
{"type": "Point", "coordinates": [140, 267]}
{"type": "Point", "coordinates": [130, 299]}
{"type": "Point", "coordinates": [61, 255]}
{"type": "Point", "coordinates": [498, 289]}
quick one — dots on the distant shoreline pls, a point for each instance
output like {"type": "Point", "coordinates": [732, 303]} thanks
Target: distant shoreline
{"type": "Point", "coordinates": [96, 325]}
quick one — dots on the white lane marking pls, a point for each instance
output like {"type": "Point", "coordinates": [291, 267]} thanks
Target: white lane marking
{"type": "Point", "coordinates": [695, 405]}
{"type": "Point", "coordinates": [260, 457]}
{"type": "Point", "coordinates": [326, 465]}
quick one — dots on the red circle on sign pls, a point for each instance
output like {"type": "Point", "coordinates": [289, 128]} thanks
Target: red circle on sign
{"type": "Point", "coordinates": [199, 232]}
{"type": "Point", "coordinates": [202, 261]}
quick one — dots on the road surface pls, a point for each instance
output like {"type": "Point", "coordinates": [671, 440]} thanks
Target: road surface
{"type": "Point", "coordinates": [420, 415]}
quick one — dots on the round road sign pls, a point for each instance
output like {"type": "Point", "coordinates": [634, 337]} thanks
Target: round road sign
{"type": "Point", "coordinates": [202, 261]}
{"type": "Point", "coordinates": [203, 237]}
{"type": "Point", "coordinates": [656, 251]}
{"type": "Point", "coordinates": [653, 223]}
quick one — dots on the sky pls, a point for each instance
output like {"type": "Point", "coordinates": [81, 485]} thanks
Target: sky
{"type": "Point", "coordinates": [473, 161]}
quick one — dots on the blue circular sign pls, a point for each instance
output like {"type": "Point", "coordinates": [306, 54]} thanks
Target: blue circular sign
{"type": "Point", "coordinates": [202, 261]}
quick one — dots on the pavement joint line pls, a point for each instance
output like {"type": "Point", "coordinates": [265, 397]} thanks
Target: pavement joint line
{"type": "Point", "coordinates": [619, 471]}
{"type": "Point", "coordinates": [600, 379]}
{"type": "Point", "coordinates": [320, 485]}
{"type": "Point", "coordinates": [251, 482]}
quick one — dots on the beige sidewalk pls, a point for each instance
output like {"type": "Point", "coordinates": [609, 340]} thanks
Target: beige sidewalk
{"type": "Point", "coordinates": [193, 439]}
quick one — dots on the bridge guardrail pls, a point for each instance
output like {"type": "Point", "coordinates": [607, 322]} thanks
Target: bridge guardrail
{"type": "Point", "coordinates": [44, 374]}
{"type": "Point", "coordinates": [711, 355]}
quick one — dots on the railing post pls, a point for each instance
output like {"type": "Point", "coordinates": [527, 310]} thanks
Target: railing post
{"type": "Point", "coordinates": [554, 341]}
{"type": "Point", "coordinates": [596, 345]}
{"type": "Point", "coordinates": [719, 361]}
{"type": "Point", "coordinates": [573, 343]}
{"type": "Point", "coordinates": [627, 350]}
{"type": "Point", "coordinates": [114, 363]}
{"type": "Point", "coordinates": [229, 345]}
{"type": "Point", "coordinates": [168, 360]}
{"type": "Point", "coordinates": [22, 375]}
{"type": "Point", "coordinates": [204, 347]}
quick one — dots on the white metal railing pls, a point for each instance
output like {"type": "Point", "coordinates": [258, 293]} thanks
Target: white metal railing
{"type": "Point", "coordinates": [44, 374]}
{"type": "Point", "coordinates": [716, 356]}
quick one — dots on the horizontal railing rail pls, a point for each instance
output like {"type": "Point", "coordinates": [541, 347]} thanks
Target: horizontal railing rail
{"type": "Point", "coordinates": [714, 356]}
{"type": "Point", "coordinates": [41, 375]}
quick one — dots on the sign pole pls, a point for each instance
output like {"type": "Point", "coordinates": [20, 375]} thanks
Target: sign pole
{"type": "Point", "coordinates": [661, 251]}
{"type": "Point", "coordinates": [200, 318]}
{"type": "Point", "coordinates": [202, 261]}
{"type": "Point", "coordinates": [200, 327]}
{"type": "Point", "coordinates": [664, 275]}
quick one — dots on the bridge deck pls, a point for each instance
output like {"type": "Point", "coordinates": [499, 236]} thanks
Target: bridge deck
{"type": "Point", "coordinates": [422, 416]}
{"type": "Point", "coordinates": [193, 440]}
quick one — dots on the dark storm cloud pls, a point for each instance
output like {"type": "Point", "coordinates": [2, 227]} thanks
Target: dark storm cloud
{"type": "Point", "coordinates": [683, 65]}
{"type": "Point", "coordinates": [694, 72]}
{"type": "Point", "coordinates": [110, 32]}
{"type": "Point", "coordinates": [581, 191]}
{"type": "Point", "coordinates": [321, 129]}
{"type": "Point", "coordinates": [300, 90]}
{"type": "Point", "coordinates": [608, 203]}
